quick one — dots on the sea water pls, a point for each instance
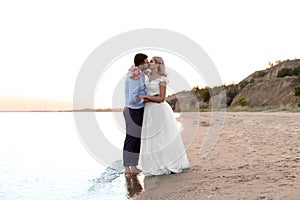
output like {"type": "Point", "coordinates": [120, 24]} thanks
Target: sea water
{"type": "Point", "coordinates": [42, 157]}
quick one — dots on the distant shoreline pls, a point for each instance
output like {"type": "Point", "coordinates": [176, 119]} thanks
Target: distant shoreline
{"type": "Point", "coordinates": [238, 109]}
{"type": "Point", "coordinates": [81, 110]}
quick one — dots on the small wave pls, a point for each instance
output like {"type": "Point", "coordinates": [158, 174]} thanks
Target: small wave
{"type": "Point", "coordinates": [111, 173]}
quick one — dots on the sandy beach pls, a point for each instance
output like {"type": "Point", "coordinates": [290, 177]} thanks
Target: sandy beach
{"type": "Point", "coordinates": [257, 156]}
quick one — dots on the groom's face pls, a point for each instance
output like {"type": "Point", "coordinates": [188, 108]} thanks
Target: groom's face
{"type": "Point", "coordinates": [146, 61]}
{"type": "Point", "coordinates": [146, 64]}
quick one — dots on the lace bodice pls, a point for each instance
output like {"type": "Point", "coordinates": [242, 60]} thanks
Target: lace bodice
{"type": "Point", "coordinates": [152, 87]}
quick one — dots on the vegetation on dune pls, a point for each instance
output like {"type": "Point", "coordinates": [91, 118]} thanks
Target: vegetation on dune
{"type": "Point", "coordinates": [258, 85]}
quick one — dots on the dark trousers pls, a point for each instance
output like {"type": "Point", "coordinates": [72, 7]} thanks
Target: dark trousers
{"type": "Point", "coordinates": [132, 143]}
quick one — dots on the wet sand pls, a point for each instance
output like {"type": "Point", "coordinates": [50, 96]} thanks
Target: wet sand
{"type": "Point", "coordinates": [257, 156]}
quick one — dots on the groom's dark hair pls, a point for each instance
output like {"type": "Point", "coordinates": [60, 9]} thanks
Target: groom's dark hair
{"type": "Point", "coordinates": [139, 59]}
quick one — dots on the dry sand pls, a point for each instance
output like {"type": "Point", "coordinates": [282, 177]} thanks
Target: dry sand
{"type": "Point", "coordinates": [257, 156]}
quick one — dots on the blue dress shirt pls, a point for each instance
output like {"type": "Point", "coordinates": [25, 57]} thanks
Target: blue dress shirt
{"type": "Point", "coordinates": [133, 88]}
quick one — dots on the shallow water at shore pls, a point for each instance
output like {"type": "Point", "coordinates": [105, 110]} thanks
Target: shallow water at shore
{"type": "Point", "coordinates": [42, 158]}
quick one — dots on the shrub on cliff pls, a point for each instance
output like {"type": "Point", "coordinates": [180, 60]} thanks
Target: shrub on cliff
{"type": "Point", "coordinates": [289, 72]}
{"type": "Point", "coordinates": [202, 94]}
{"type": "Point", "coordinates": [205, 95]}
{"type": "Point", "coordinates": [242, 102]}
{"type": "Point", "coordinates": [231, 91]}
{"type": "Point", "coordinates": [297, 91]}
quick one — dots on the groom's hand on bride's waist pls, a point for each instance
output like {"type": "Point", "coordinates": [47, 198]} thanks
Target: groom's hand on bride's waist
{"type": "Point", "coordinates": [139, 97]}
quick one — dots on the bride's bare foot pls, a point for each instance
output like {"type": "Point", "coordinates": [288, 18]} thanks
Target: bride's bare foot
{"type": "Point", "coordinates": [135, 170]}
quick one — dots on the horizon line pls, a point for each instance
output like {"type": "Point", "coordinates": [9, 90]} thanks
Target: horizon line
{"type": "Point", "coordinates": [119, 109]}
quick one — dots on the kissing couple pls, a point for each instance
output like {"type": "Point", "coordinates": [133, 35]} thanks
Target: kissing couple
{"type": "Point", "coordinates": [153, 143]}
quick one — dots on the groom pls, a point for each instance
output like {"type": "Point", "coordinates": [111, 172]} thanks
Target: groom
{"type": "Point", "coordinates": [133, 113]}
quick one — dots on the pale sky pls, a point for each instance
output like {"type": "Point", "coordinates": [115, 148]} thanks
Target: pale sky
{"type": "Point", "coordinates": [43, 44]}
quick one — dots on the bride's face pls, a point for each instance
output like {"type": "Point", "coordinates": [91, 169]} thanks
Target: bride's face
{"type": "Point", "coordinates": [153, 65]}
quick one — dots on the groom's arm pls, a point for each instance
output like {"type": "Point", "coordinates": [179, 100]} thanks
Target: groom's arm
{"type": "Point", "coordinates": [156, 98]}
{"type": "Point", "coordinates": [133, 89]}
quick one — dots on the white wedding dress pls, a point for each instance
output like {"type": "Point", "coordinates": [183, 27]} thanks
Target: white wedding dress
{"type": "Point", "coordinates": [162, 149]}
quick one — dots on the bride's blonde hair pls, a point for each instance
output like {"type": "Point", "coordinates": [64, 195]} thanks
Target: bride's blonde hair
{"type": "Point", "coordinates": [161, 69]}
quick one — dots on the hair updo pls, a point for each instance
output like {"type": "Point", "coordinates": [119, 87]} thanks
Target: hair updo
{"type": "Point", "coordinates": [161, 69]}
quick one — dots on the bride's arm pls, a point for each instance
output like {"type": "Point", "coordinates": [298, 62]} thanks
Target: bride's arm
{"type": "Point", "coordinates": [157, 98]}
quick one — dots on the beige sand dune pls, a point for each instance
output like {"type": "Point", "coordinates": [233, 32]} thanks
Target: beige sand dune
{"type": "Point", "coordinates": [257, 156]}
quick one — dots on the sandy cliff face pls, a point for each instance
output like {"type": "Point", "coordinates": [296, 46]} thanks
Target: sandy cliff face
{"type": "Point", "coordinates": [262, 89]}
{"type": "Point", "coordinates": [273, 93]}
{"type": "Point", "coordinates": [265, 89]}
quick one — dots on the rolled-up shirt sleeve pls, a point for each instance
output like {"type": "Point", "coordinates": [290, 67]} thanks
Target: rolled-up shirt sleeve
{"type": "Point", "coordinates": [134, 88]}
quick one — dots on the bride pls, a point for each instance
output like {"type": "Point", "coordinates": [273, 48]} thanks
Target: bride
{"type": "Point", "coordinates": [162, 149]}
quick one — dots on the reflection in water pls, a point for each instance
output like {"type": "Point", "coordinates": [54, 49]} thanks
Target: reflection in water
{"type": "Point", "coordinates": [134, 185]}
{"type": "Point", "coordinates": [114, 184]}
